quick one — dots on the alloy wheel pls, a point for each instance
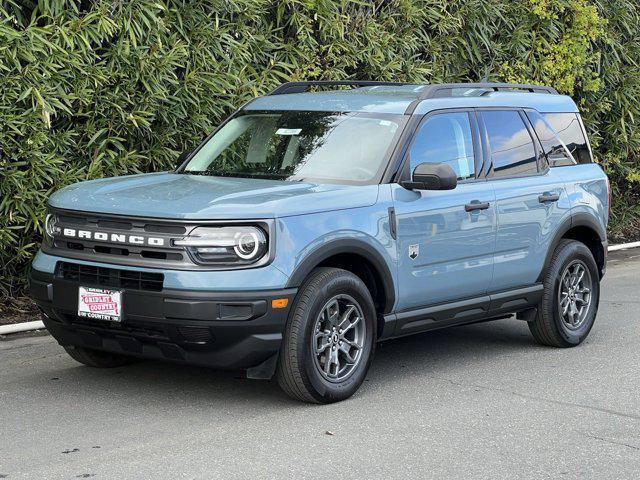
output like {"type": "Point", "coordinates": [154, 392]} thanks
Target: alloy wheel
{"type": "Point", "coordinates": [574, 294]}
{"type": "Point", "coordinates": [338, 338]}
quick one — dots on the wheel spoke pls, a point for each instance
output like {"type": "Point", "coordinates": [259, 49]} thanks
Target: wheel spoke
{"type": "Point", "coordinates": [346, 323]}
{"type": "Point", "coordinates": [332, 312]}
{"type": "Point", "coordinates": [324, 337]}
{"type": "Point", "coordinates": [327, 362]}
{"type": "Point", "coordinates": [345, 348]}
{"type": "Point", "coordinates": [574, 313]}
{"type": "Point", "coordinates": [565, 305]}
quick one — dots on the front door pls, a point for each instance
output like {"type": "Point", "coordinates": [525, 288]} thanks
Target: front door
{"type": "Point", "coordinates": [445, 238]}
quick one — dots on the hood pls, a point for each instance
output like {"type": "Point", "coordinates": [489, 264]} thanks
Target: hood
{"type": "Point", "coordinates": [171, 195]}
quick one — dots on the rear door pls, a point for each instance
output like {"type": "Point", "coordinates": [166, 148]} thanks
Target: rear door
{"type": "Point", "coordinates": [445, 238]}
{"type": "Point", "coordinates": [531, 199]}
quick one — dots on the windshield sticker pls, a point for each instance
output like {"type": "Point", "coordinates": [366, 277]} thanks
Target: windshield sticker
{"type": "Point", "coordinates": [288, 131]}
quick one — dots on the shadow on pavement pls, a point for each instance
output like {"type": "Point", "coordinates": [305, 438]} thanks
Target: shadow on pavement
{"type": "Point", "coordinates": [166, 384]}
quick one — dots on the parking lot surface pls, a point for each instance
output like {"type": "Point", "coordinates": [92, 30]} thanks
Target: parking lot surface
{"type": "Point", "coordinates": [480, 401]}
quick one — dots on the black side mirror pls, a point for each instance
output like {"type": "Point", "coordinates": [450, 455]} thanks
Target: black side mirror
{"type": "Point", "coordinates": [432, 176]}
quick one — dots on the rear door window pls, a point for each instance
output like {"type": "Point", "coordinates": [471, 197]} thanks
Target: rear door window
{"type": "Point", "coordinates": [511, 145]}
{"type": "Point", "coordinates": [568, 128]}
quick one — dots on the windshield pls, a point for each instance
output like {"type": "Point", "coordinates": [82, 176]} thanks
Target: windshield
{"type": "Point", "coordinates": [300, 146]}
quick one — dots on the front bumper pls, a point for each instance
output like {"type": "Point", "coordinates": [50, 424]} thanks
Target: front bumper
{"type": "Point", "coordinates": [225, 330]}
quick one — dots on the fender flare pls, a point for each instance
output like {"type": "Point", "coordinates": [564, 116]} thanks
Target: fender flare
{"type": "Point", "coordinates": [576, 220]}
{"type": "Point", "coordinates": [352, 246]}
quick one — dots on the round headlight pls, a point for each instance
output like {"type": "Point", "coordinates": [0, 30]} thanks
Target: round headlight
{"type": "Point", "coordinates": [228, 245]}
{"type": "Point", "coordinates": [51, 227]}
{"type": "Point", "coordinates": [248, 245]}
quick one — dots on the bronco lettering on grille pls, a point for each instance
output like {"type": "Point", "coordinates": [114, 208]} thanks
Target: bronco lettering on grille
{"type": "Point", "coordinates": [113, 237]}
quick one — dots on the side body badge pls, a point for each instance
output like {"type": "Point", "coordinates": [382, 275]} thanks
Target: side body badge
{"type": "Point", "coordinates": [414, 251]}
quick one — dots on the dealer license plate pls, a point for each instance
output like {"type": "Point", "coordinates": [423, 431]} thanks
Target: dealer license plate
{"type": "Point", "coordinates": [100, 304]}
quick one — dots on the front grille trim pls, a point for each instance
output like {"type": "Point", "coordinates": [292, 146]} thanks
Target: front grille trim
{"type": "Point", "coordinates": [107, 277]}
{"type": "Point", "coordinates": [168, 257]}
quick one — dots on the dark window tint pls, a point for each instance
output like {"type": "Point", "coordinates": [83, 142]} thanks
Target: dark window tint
{"type": "Point", "coordinates": [445, 138]}
{"type": "Point", "coordinates": [568, 128]}
{"type": "Point", "coordinates": [556, 152]}
{"type": "Point", "coordinates": [512, 150]}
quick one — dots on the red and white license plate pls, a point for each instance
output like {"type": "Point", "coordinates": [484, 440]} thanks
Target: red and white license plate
{"type": "Point", "coordinates": [100, 304]}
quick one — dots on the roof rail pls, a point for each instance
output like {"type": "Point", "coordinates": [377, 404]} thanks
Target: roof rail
{"type": "Point", "coordinates": [440, 90]}
{"type": "Point", "coordinates": [300, 87]}
{"type": "Point", "coordinates": [431, 90]}
{"type": "Point", "coordinates": [435, 90]}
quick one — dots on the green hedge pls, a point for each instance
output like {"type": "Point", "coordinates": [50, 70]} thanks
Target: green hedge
{"type": "Point", "coordinates": [108, 87]}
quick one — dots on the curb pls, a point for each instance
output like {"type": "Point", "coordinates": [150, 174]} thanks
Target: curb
{"type": "Point", "coordinates": [21, 327]}
{"type": "Point", "coordinates": [38, 325]}
{"type": "Point", "coordinates": [623, 246]}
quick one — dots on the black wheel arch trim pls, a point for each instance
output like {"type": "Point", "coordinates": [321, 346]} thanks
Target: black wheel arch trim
{"type": "Point", "coordinates": [353, 246]}
{"type": "Point", "coordinates": [580, 219]}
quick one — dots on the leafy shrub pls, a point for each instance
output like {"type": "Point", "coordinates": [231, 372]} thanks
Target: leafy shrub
{"type": "Point", "coordinates": [95, 88]}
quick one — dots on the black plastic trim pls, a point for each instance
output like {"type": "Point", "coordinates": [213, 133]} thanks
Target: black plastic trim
{"type": "Point", "coordinates": [229, 330]}
{"type": "Point", "coordinates": [580, 219]}
{"type": "Point", "coordinates": [394, 171]}
{"type": "Point", "coordinates": [393, 224]}
{"type": "Point", "coordinates": [461, 312]}
{"type": "Point", "coordinates": [303, 86]}
{"type": "Point", "coordinates": [354, 247]}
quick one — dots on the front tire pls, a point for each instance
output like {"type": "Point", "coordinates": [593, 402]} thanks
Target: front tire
{"type": "Point", "coordinates": [571, 295]}
{"type": "Point", "coordinates": [329, 339]}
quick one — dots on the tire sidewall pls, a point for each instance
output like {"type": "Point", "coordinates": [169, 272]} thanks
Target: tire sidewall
{"type": "Point", "coordinates": [321, 388]}
{"type": "Point", "coordinates": [571, 252]}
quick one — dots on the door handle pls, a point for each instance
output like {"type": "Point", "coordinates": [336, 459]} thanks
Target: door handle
{"type": "Point", "coordinates": [476, 205]}
{"type": "Point", "coordinates": [548, 197]}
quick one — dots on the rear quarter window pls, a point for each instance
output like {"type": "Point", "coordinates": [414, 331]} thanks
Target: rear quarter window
{"type": "Point", "coordinates": [555, 151]}
{"type": "Point", "coordinates": [569, 129]}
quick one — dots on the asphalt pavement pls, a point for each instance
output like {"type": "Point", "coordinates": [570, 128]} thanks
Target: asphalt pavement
{"type": "Point", "coordinates": [480, 401]}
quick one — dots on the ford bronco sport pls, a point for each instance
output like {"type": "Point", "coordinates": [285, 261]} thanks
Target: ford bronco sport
{"type": "Point", "coordinates": [315, 222]}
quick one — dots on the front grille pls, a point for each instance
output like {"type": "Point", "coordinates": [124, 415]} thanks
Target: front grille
{"type": "Point", "coordinates": [110, 277]}
{"type": "Point", "coordinates": [122, 251]}
{"type": "Point", "coordinates": [88, 219]}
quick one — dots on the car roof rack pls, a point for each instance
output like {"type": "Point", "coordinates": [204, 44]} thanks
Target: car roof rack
{"type": "Point", "coordinates": [435, 90]}
{"type": "Point", "coordinates": [301, 87]}
{"type": "Point", "coordinates": [442, 90]}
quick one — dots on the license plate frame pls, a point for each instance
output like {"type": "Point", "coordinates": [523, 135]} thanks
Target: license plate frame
{"type": "Point", "coordinates": [100, 304]}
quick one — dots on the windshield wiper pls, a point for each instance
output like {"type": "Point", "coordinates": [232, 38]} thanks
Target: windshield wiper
{"type": "Point", "coordinates": [265, 176]}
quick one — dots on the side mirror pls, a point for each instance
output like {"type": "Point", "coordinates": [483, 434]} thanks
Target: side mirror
{"type": "Point", "coordinates": [432, 176]}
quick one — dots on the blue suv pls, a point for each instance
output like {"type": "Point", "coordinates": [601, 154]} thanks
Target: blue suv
{"type": "Point", "coordinates": [325, 217]}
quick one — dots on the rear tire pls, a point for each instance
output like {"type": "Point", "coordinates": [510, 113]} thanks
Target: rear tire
{"type": "Point", "coordinates": [97, 358]}
{"type": "Point", "coordinates": [329, 339]}
{"type": "Point", "coordinates": [571, 295]}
